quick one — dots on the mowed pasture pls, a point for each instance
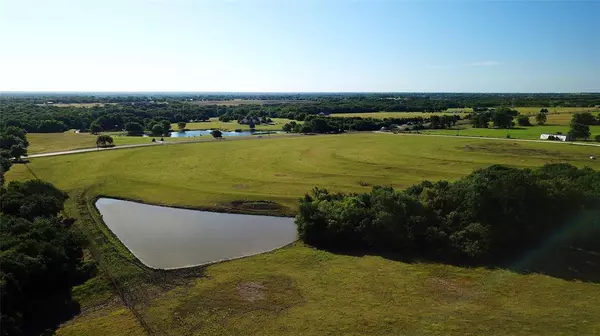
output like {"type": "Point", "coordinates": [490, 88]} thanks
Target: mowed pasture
{"type": "Point", "coordinates": [519, 132]}
{"type": "Point", "coordinates": [56, 142]}
{"type": "Point", "coordinates": [212, 174]}
{"type": "Point", "coordinates": [301, 290]}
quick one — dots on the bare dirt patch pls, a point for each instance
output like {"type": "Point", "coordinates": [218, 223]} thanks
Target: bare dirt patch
{"type": "Point", "coordinates": [268, 295]}
{"type": "Point", "coordinates": [251, 291]}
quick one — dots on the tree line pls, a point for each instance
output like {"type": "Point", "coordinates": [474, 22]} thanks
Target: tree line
{"type": "Point", "coordinates": [489, 216]}
{"type": "Point", "coordinates": [25, 112]}
{"type": "Point", "coordinates": [41, 256]}
{"type": "Point", "coordinates": [441, 100]}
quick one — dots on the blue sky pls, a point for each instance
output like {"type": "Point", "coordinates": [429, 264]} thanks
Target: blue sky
{"type": "Point", "coordinates": [303, 46]}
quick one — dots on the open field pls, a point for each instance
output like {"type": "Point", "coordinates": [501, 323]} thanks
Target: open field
{"type": "Point", "coordinates": [55, 142]}
{"type": "Point", "coordinates": [213, 174]}
{"type": "Point", "coordinates": [298, 289]}
{"type": "Point", "coordinates": [382, 115]}
{"type": "Point", "coordinates": [556, 110]}
{"type": "Point", "coordinates": [531, 132]}
{"type": "Point", "coordinates": [233, 125]}
{"type": "Point", "coordinates": [236, 102]}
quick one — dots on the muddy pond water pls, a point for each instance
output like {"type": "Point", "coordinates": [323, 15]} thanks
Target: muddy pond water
{"type": "Point", "coordinates": [167, 238]}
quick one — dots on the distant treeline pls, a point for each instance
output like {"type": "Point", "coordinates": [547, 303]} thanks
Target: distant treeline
{"type": "Point", "coordinates": [491, 215]}
{"type": "Point", "coordinates": [433, 100]}
{"type": "Point", "coordinates": [22, 111]}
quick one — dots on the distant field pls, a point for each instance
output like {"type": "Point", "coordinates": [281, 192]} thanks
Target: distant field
{"type": "Point", "coordinates": [233, 125]}
{"type": "Point", "coordinates": [382, 115]}
{"type": "Point", "coordinates": [532, 132]}
{"type": "Point", "coordinates": [55, 142]}
{"type": "Point", "coordinates": [249, 102]}
{"type": "Point", "coordinates": [554, 110]}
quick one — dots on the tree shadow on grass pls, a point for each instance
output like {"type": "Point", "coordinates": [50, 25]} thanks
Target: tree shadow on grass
{"type": "Point", "coordinates": [568, 261]}
{"type": "Point", "coordinates": [47, 314]}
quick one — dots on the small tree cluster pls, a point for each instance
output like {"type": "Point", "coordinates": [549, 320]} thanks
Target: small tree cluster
{"type": "Point", "coordinates": [580, 125]}
{"type": "Point", "coordinates": [104, 141]}
{"type": "Point", "coordinates": [13, 144]}
{"type": "Point", "coordinates": [134, 128]}
{"type": "Point", "coordinates": [486, 216]}
{"type": "Point", "coordinates": [541, 117]}
{"type": "Point", "coordinates": [501, 118]}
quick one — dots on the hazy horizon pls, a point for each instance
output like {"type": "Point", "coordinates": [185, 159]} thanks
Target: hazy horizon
{"type": "Point", "coordinates": [301, 47]}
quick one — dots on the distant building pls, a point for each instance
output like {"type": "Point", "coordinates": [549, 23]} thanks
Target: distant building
{"type": "Point", "coordinates": [250, 120]}
{"type": "Point", "coordinates": [556, 137]}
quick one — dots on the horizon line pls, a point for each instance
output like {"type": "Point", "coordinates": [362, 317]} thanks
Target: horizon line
{"type": "Point", "coordinates": [295, 92]}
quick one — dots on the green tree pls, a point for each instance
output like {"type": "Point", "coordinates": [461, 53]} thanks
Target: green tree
{"type": "Point", "coordinates": [305, 128]}
{"type": "Point", "coordinates": [17, 151]}
{"type": "Point", "coordinates": [5, 164]}
{"type": "Point", "coordinates": [104, 140]}
{"type": "Point", "coordinates": [579, 131]}
{"type": "Point", "coordinates": [319, 125]}
{"type": "Point", "coordinates": [289, 127]}
{"type": "Point", "coordinates": [157, 130]}
{"type": "Point", "coordinates": [597, 138]}
{"type": "Point", "coordinates": [9, 140]}
{"type": "Point", "coordinates": [435, 122]}
{"type": "Point", "coordinates": [134, 128]}
{"type": "Point", "coordinates": [95, 128]}
{"type": "Point", "coordinates": [503, 117]}
{"type": "Point", "coordinates": [18, 133]}
{"type": "Point", "coordinates": [31, 199]}
{"type": "Point", "coordinates": [216, 134]}
{"type": "Point", "coordinates": [585, 118]}
{"type": "Point", "coordinates": [166, 125]}
{"type": "Point", "coordinates": [480, 119]}
{"type": "Point", "coordinates": [541, 118]}
{"type": "Point", "coordinates": [181, 125]}
{"type": "Point", "coordinates": [523, 120]}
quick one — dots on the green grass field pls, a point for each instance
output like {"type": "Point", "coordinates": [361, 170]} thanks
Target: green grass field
{"type": "Point", "coordinates": [55, 142]}
{"type": "Point", "coordinates": [531, 132]}
{"type": "Point", "coordinates": [298, 289]}
{"type": "Point", "coordinates": [555, 110]}
{"type": "Point", "coordinates": [212, 174]}
{"type": "Point", "coordinates": [233, 125]}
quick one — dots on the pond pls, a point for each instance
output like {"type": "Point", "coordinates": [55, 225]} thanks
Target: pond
{"type": "Point", "coordinates": [168, 238]}
{"type": "Point", "coordinates": [225, 133]}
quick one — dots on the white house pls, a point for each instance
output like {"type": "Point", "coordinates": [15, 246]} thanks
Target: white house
{"type": "Point", "coordinates": [556, 137]}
